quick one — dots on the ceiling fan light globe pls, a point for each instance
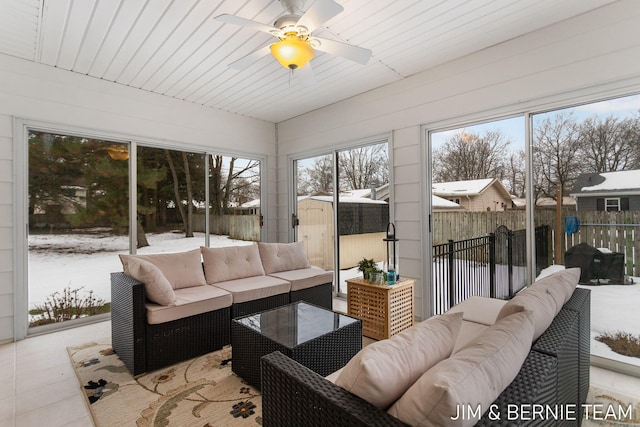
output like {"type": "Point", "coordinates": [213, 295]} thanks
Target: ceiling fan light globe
{"type": "Point", "coordinates": [292, 52]}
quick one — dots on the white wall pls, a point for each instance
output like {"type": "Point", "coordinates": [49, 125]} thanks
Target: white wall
{"type": "Point", "coordinates": [42, 93]}
{"type": "Point", "coordinates": [592, 56]}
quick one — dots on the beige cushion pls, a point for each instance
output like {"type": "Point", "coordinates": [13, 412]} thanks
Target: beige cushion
{"type": "Point", "coordinates": [278, 257]}
{"type": "Point", "coordinates": [561, 284]}
{"type": "Point", "coordinates": [253, 288]}
{"type": "Point", "coordinates": [381, 372]}
{"type": "Point", "coordinates": [189, 302]}
{"type": "Point", "coordinates": [182, 269]}
{"type": "Point", "coordinates": [231, 262]}
{"type": "Point", "coordinates": [332, 377]}
{"type": "Point", "coordinates": [479, 309]}
{"type": "Point", "coordinates": [305, 278]}
{"type": "Point", "coordinates": [468, 331]}
{"type": "Point", "coordinates": [157, 288]}
{"type": "Point", "coordinates": [537, 299]}
{"type": "Point", "coordinates": [474, 376]}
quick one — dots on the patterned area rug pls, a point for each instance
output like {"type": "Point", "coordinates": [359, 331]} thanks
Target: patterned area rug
{"type": "Point", "coordinates": [199, 392]}
{"type": "Point", "coordinates": [611, 409]}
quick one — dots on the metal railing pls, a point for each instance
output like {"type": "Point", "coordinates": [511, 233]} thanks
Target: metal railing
{"type": "Point", "coordinates": [491, 266]}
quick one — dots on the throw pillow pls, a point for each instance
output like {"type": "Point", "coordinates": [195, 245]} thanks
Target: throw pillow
{"type": "Point", "coordinates": [381, 372]}
{"type": "Point", "coordinates": [277, 257]}
{"type": "Point", "coordinates": [157, 288]}
{"type": "Point", "coordinates": [474, 376]}
{"type": "Point", "coordinates": [231, 262]}
{"type": "Point", "coordinates": [182, 269]}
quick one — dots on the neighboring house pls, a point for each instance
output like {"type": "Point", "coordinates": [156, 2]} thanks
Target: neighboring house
{"type": "Point", "coordinates": [568, 202]}
{"type": "Point", "coordinates": [440, 204]}
{"type": "Point", "coordinates": [551, 203]}
{"type": "Point", "coordinates": [608, 191]}
{"type": "Point", "coordinates": [475, 195]}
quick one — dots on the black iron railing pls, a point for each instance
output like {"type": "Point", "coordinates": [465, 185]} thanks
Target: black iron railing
{"type": "Point", "coordinates": [491, 266]}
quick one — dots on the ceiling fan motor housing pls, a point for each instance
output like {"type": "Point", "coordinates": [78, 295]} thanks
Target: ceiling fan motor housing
{"type": "Point", "coordinates": [288, 24]}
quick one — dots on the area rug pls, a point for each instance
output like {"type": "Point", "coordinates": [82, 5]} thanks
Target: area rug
{"type": "Point", "coordinates": [610, 408]}
{"type": "Point", "coordinates": [199, 392]}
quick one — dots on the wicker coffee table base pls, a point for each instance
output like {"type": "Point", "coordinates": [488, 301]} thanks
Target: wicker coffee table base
{"type": "Point", "coordinates": [323, 355]}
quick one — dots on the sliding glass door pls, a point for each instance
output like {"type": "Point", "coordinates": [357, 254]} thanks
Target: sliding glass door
{"type": "Point", "coordinates": [78, 204]}
{"type": "Point", "coordinates": [586, 172]}
{"type": "Point", "coordinates": [79, 219]}
{"type": "Point", "coordinates": [478, 211]}
{"type": "Point", "coordinates": [341, 228]}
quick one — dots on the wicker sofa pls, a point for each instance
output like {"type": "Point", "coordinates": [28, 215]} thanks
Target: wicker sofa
{"type": "Point", "coordinates": [555, 372]}
{"type": "Point", "coordinates": [166, 308]}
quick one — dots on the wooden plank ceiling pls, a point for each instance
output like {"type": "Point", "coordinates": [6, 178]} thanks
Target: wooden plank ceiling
{"type": "Point", "coordinates": [176, 48]}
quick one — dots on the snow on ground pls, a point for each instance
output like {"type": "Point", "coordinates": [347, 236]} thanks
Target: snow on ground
{"type": "Point", "coordinates": [58, 261]}
{"type": "Point", "coordinates": [613, 308]}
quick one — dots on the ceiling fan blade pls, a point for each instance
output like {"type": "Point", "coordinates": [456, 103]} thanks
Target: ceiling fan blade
{"type": "Point", "coordinates": [305, 75]}
{"type": "Point", "coordinates": [349, 51]}
{"type": "Point", "coordinates": [236, 20]}
{"type": "Point", "coordinates": [249, 59]}
{"type": "Point", "coordinates": [319, 13]}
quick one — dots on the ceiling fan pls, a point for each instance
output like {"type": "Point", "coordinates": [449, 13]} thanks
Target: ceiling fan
{"type": "Point", "coordinates": [296, 46]}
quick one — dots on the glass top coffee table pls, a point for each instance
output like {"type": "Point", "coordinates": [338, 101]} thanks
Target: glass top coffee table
{"type": "Point", "coordinates": [315, 337]}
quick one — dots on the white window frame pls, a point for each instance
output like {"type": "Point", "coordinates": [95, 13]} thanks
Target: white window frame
{"type": "Point", "coordinates": [21, 127]}
{"type": "Point", "coordinates": [608, 204]}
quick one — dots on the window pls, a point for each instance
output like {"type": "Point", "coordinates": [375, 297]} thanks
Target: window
{"type": "Point", "coordinates": [593, 148]}
{"type": "Point", "coordinates": [465, 161]}
{"type": "Point", "coordinates": [361, 213]}
{"type": "Point", "coordinates": [78, 205]}
{"type": "Point", "coordinates": [612, 204]}
{"type": "Point", "coordinates": [79, 217]}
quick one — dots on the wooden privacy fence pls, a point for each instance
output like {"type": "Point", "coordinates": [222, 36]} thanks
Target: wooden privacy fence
{"type": "Point", "coordinates": [617, 231]}
{"type": "Point", "coordinates": [240, 227]}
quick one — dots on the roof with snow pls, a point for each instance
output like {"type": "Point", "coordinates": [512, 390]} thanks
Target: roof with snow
{"type": "Point", "coordinates": [440, 203]}
{"type": "Point", "coordinates": [348, 199]}
{"type": "Point", "coordinates": [607, 183]}
{"type": "Point", "coordinates": [457, 188]}
{"type": "Point", "coordinates": [472, 187]}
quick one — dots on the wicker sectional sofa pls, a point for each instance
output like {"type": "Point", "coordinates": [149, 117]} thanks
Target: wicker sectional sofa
{"type": "Point", "coordinates": [166, 308]}
{"type": "Point", "coordinates": [554, 373]}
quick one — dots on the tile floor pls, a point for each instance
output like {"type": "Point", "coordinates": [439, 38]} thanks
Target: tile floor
{"type": "Point", "coordinates": [39, 388]}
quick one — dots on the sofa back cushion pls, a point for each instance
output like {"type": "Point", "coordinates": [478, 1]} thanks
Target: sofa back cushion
{"type": "Point", "coordinates": [381, 372]}
{"type": "Point", "coordinates": [157, 288]}
{"type": "Point", "coordinates": [231, 262]}
{"type": "Point", "coordinates": [561, 284]}
{"type": "Point", "coordinates": [545, 298]}
{"type": "Point", "coordinates": [277, 257]}
{"type": "Point", "coordinates": [475, 375]}
{"type": "Point", "coordinates": [182, 269]}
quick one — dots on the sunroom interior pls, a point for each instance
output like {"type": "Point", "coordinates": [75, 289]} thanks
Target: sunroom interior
{"type": "Point", "coordinates": [155, 76]}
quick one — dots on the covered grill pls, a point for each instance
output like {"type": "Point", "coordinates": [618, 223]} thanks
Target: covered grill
{"type": "Point", "coordinates": [597, 267]}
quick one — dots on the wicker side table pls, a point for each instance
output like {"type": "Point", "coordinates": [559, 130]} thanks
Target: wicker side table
{"type": "Point", "coordinates": [384, 310]}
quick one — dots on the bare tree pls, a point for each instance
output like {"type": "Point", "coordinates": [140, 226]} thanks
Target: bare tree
{"type": "Point", "coordinates": [318, 178]}
{"type": "Point", "coordinates": [231, 181]}
{"type": "Point", "coordinates": [556, 157]}
{"type": "Point", "coordinates": [363, 167]}
{"type": "Point", "coordinates": [607, 144]}
{"type": "Point", "coordinates": [467, 156]}
{"type": "Point", "coordinates": [515, 174]}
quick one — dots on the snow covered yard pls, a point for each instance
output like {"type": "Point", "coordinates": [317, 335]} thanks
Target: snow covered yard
{"type": "Point", "coordinates": [613, 308]}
